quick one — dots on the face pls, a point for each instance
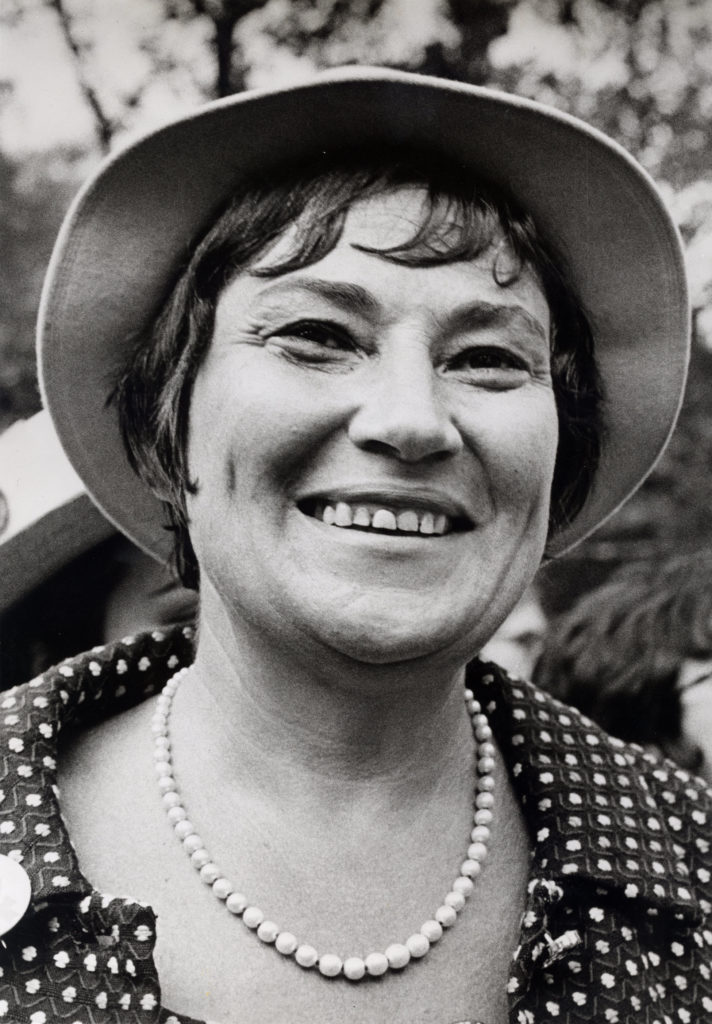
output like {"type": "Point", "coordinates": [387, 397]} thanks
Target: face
{"type": "Point", "coordinates": [374, 447]}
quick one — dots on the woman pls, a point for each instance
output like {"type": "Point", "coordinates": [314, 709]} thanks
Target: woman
{"type": "Point", "coordinates": [357, 386]}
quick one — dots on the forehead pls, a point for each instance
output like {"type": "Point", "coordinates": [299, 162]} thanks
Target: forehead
{"type": "Point", "coordinates": [390, 221]}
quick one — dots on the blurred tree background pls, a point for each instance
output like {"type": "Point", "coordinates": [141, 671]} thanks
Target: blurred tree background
{"type": "Point", "coordinates": [81, 75]}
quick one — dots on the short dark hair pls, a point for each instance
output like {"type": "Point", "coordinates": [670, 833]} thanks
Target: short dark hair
{"type": "Point", "coordinates": [461, 219]}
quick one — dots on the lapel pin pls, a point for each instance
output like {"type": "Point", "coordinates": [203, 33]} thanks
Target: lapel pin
{"type": "Point", "coordinates": [15, 893]}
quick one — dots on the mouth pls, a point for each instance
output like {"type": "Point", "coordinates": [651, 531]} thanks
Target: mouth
{"type": "Point", "coordinates": [407, 518]}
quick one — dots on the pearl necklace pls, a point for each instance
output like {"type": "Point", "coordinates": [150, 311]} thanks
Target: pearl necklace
{"type": "Point", "coordinates": [397, 955]}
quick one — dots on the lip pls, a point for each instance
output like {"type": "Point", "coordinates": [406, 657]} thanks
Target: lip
{"type": "Point", "coordinates": [393, 496]}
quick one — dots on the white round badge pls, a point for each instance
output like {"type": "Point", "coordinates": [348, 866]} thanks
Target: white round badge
{"type": "Point", "coordinates": [15, 893]}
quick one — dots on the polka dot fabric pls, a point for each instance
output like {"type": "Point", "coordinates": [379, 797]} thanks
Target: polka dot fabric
{"type": "Point", "coordinates": [617, 924]}
{"type": "Point", "coordinates": [621, 864]}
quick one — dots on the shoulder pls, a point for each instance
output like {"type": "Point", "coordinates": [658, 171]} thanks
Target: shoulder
{"type": "Point", "coordinates": [606, 810]}
{"type": "Point", "coordinates": [90, 687]}
{"type": "Point", "coordinates": [71, 698]}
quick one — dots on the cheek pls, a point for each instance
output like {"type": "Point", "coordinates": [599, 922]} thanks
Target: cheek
{"type": "Point", "coordinates": [520, 450]}
{"type": "Point", "coordinates": [253, 424]}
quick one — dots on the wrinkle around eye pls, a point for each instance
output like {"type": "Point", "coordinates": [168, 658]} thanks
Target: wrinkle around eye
{"type": "Point", "coordinates": [498, 378]}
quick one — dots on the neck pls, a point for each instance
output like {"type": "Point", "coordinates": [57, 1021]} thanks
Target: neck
{"type": "Point", "coordinates": [319, 722]}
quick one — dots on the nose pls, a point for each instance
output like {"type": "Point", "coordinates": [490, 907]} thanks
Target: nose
{"type": "Point", "coordinates": [402, 412]}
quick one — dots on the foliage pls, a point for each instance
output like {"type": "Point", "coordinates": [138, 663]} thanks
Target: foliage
{"type": "Point", "coordinates": [33, 197]}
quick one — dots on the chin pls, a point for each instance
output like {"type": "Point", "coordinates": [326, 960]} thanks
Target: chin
{"type": "Point", "coordinates": [383, 640]}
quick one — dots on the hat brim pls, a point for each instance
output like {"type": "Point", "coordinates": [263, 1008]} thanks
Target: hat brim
{"type": "Point", "coordinates": [135, 220]}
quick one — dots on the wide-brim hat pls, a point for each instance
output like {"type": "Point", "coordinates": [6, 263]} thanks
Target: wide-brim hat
{"type": "Point", "coordinates": [47, 519]}
{"type": "Point", "coordinates": [135, 221]}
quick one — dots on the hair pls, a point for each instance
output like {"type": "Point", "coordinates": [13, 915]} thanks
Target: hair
{"type": "Point", "coordinates": [461, 220]}
{"type": "Point", "coordinates": [617, 655]}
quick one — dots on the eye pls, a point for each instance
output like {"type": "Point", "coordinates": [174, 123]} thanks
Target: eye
{"type": "Point", "coordinates": [486, 357]}
{"type": "Point", "coordinates": [484, 361]}
{"type": "Point", "coordinates": [317, 335]}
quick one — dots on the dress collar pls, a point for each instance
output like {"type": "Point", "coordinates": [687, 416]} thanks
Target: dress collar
{"type": "Point", "coordinates": [601, 812]}
{"type": "Point", "coordinates": [74, 694]}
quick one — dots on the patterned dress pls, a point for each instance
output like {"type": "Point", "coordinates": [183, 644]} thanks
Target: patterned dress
{"type": "Point", "coordinates": [617, 927]}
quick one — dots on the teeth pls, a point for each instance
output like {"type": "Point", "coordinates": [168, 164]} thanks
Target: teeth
{"type": "Point", "coordinates": [362, 517]}
{"type": "Point", "coordinates": [407, 521]}
{"type": "Point", "coordinates": [427, 523]}
{"type": "Point", "coordinates": [384, 520]}
{"type": "Point", "coordinates": [343, 514]}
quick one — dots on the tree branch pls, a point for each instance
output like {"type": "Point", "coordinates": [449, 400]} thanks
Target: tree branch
{"type": "Point", "coordinates": [103, 125]}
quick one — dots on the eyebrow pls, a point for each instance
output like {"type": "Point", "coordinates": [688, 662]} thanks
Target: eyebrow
{"type": "Point", "coordinates": [475, 315]}
{"type": "Point", "coordinates": [347, 296]}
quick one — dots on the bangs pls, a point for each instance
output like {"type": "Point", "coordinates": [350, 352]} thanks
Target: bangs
{"type": "Point", "coordinates": [452, 228]}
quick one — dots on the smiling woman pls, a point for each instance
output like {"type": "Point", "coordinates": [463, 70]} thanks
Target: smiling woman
{"type": "Point", "coordinates": [335, 347]}
{"type": "Point", "coordinates": [451, 219]}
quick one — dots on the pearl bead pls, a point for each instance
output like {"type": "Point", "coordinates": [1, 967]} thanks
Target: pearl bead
{"type": "Point", "coordinates": [199, 858]}
{"type": "Point", "coordinates": [183, 829]}
{"type": "Point", "coordinates": [485, 765]}
{"type": "Point", "coordinates": [483, 733]}
{"type": "Point", "coordinates": [477, 851]}
{"type": "Point", "coordinates": [286, 943]}
{"type": "Point", "coordinates": [484, 800]}
{"type": "Point", "coordinates": [253, 917]}
{"type": "Point", "coordinates": [163, 768]}
{"type": "Point", "coordinates": [192, 843]}
{"type": "Point", "coordinates": [354, 968]}
{"type": "Point", "coordinates": [463, 884]}
{"type": "Point", "coordinates": [221, 888]}
{"type": "Point", "coordinates": [330, 965]}
{"type": "Point", "coordinates": [485, 784]}
{"type": "Point", "coordinates": [483, 816]}
{"type": "Point", "coordinates": [209, 873]}
{"type": "Point", "coordinates": [306, 956]}
{"type": "Point", "coordinates": [166, 783]}
{"type": "Point", "coordinates": [480, 834]}
{"type": "Point", "coordinates": [446, 916]}
{"type": "Point", "coordinates": [236, 903]}
{"type": "Point", "coordinates": [268, 932]}
{"type": "Point", "coordinates": [397, 955]}
{"type": "Point", "coordinates": [486, 749]}
{"type": "Point", "coordinates": [376, 964]}
{"type": "Point", "coordinates": [470, 868]}
{"type": "Point", "coordinates": [417, 945]}
{"type": "Point", "coordinates": [171, 799]}
{"type": "Point", "coordinates": [468, 694]}
{"type": "Point", "coordinates": [432, 930]}
{"type": "Point", "coordinates": [176, 813]}
{"type": "Point", "coordinates": [456, 900]}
